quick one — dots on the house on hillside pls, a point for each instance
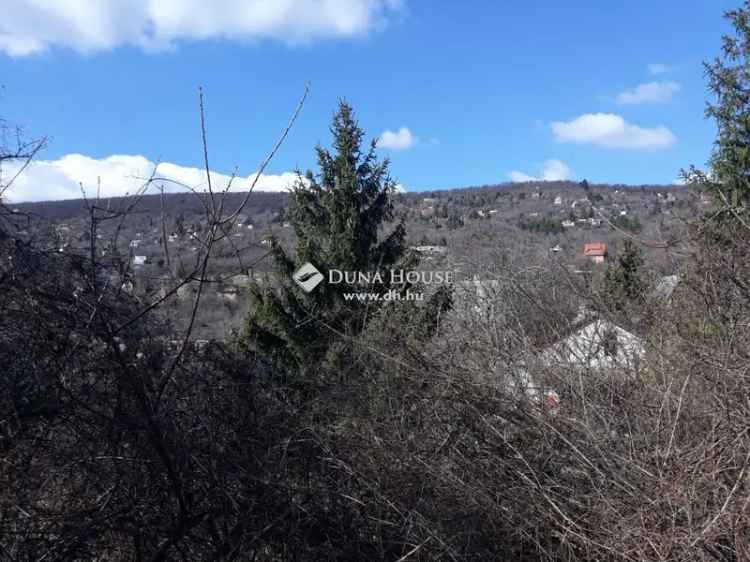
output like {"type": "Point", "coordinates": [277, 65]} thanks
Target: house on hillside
{"type": "Point", "coordinates": [599, 344]}
{"type": "Point", "coordinates": [240, 280]}
{"type": "Point", "coordinates": [665, 287]}
{"type": "Point", "coordinates": [568, 224]}
{"type": "Point", "coordinates": [228, 293]}
{"type": "Point", "coordinates": [596, 251]}
{"type": "Point", "coordinates": [429, 249]}
{"type": "Point", "coordinates": [558, 200]}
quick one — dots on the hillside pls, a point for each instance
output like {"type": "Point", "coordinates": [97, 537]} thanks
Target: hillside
{"type": "Point", "coordinates": [474, 230]}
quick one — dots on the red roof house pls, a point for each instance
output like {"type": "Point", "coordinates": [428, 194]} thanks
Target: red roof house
{"type": "Point", "coordinates": [596, 251]}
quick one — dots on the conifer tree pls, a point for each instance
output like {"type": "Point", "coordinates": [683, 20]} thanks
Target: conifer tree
{"type": "Point", "coordinates": [729, 80]}
{"type": "Point", "coordinates": [339, 217]}
{"type": "Point", "coordinates": [623, 281]}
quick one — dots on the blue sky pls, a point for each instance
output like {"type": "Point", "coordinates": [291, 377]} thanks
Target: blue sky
{"type": "Point", "coordinates": [462, 93]}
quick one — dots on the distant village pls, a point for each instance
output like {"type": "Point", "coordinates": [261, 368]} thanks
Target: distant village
{"type": "Point", "coordinates": [473, 230]}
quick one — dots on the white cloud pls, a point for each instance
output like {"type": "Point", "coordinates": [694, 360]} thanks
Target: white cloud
{"type": "Point", "coordinates": [31, 26]}
{"type": "Point", "coordinates": [552, 170]}
{"type": "Point", "coordinates": [657, 69]}
{"type": "Point", "coordinates": [120, 174]}
{"type": "Point", "coordinates": [612, 131]}
{"type": "Point", "coordinates": [520, 177]}
{"type": "Point", "coordinates": [652, 92]}
{"type": "Point", "coordinates": [397, 140]}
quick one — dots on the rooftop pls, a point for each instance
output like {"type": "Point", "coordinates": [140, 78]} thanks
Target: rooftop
{"type": "Point", "coordinates": [595, 249]}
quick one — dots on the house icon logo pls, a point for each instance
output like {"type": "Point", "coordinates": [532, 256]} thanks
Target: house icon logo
{"type": "Point", "coordinates": [307, 277]}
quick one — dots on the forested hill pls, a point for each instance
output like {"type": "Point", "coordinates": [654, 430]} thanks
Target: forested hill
{"type": "Point", "coordinates": [265, 202]}
{"type": "Point", "coordinates": [260, 202]}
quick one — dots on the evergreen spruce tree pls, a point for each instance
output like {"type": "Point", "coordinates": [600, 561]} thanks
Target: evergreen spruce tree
{"type": "Point", "coordinates": [729, 80]}
{"type": "Point", "coordinates": [338, 215]}
{"type": "Point", "coordinates": [623, 281]}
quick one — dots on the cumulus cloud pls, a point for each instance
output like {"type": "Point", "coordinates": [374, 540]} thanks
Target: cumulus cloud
{"type": "Point", "coordinates": [552, 170]}
{"type": "Point", "coordinates": [652, 92]}
{"type": "Point", "coordinates": [612, 131]}
{"type": "Point", "coordinates": [30, 26]}
{"type": "Point", "coordinates": [119, 175]}
{"type": "Point", "coordinates": [657, 68]}
{"type": "Point", "coordinates": [397, 140]}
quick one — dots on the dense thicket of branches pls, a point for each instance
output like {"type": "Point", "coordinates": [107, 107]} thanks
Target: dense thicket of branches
{"type": "Point", "coordinates": [117, 444]}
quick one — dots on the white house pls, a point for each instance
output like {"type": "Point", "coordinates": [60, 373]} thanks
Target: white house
{"type": "Point", "coordinates": [139, 260]}
{"type": "Point", "coordinates": [228, 293]}
{"type": "Point", "coordinates": [568, 224]}
{"type": "Point", "coordinates": [600, 344]}
{"type": "Point", "coordinates": [666, 286]}
{"type": "Point", "coordinates": [558, 200]}
{"type": "Point", "coordinates": [239, 280]}
{"type": "Point", "coordinates": [429, 249]}
{"type": "Point", "coordinates": [427, 212]}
